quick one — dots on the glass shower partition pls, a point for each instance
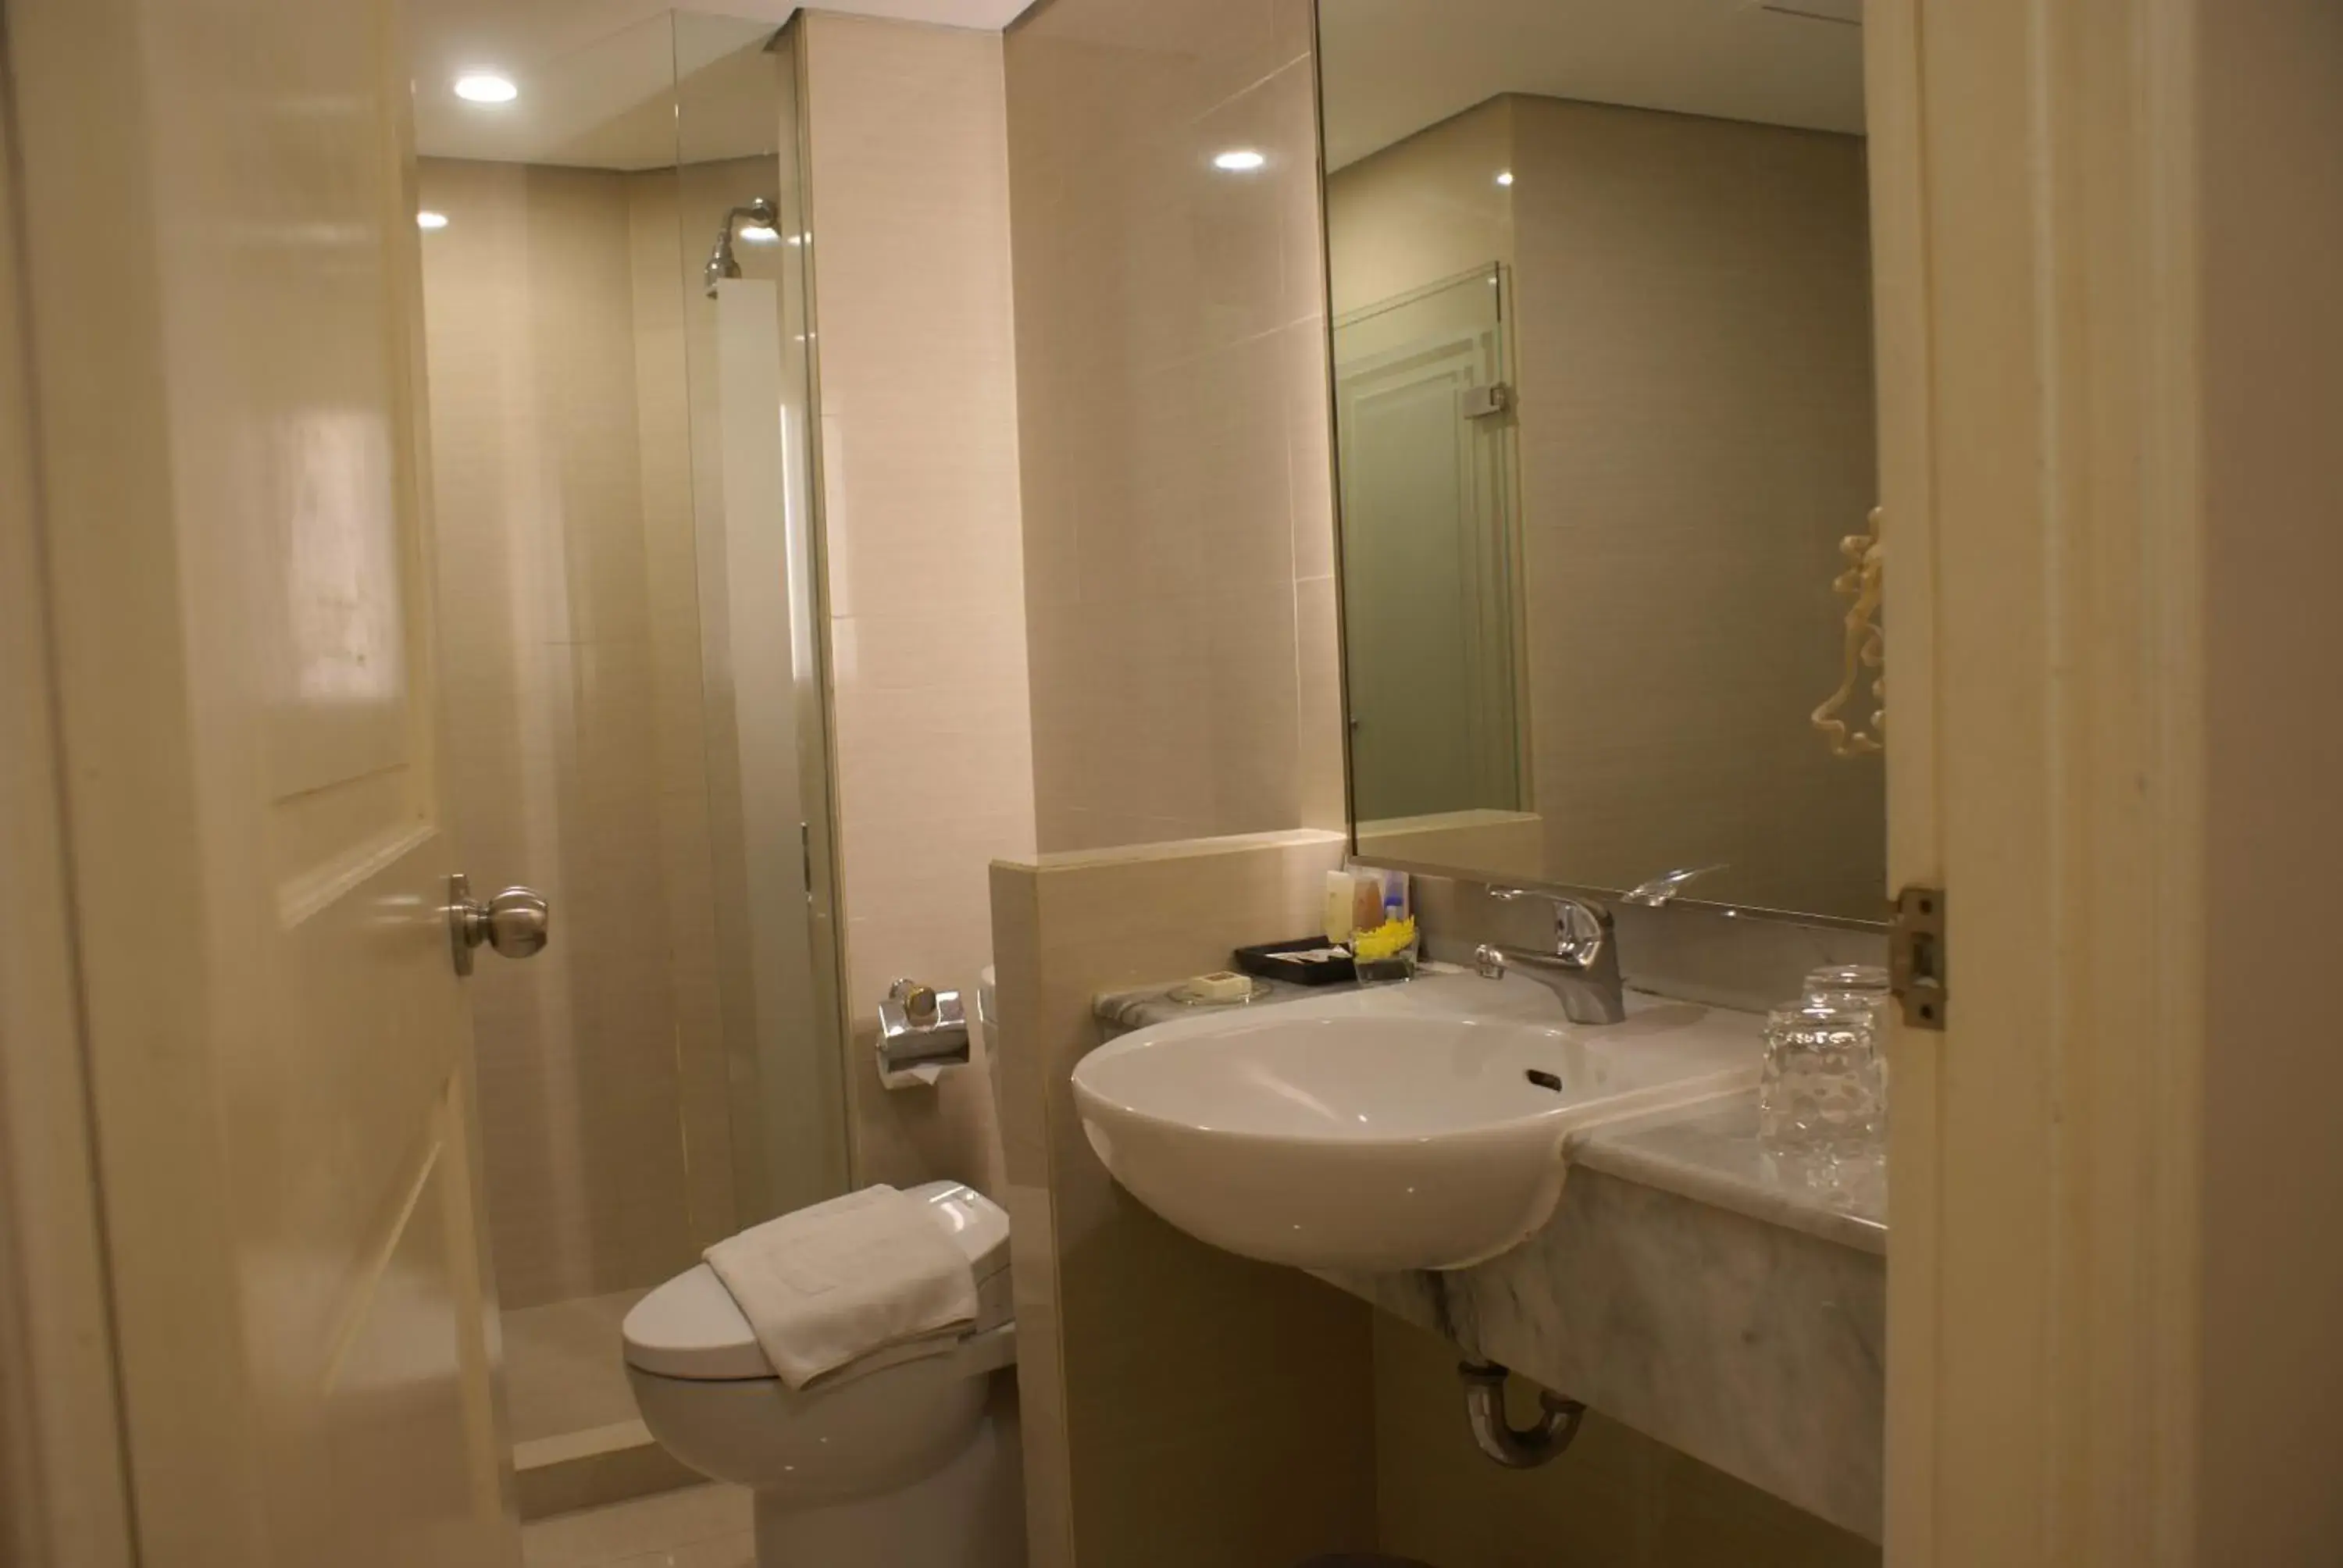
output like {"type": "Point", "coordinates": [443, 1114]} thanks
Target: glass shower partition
{"type": "Point", "coordinates": [749, 343]}
{"type": "Point", "coordinates": [625, 547]}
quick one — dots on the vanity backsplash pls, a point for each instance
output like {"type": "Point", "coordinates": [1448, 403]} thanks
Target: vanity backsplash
{"type": "Point", "coordinates": [1694, 952]}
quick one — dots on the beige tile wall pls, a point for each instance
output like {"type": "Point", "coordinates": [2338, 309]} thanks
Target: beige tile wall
{"type": "Point", "coordinates": [555, 602]}
{"type": "Point", "coordinates": [1183, 1406]}
{"type": "Point", "coordinates": [1421, 210]}
{"type": "Point", "coordinates": [1173, 407]}
{"type": "Point", "coordinates": [909, 188]}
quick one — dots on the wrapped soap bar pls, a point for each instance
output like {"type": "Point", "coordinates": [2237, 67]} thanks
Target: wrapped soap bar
{"type": "Point", "coordinates": [1221, 985]}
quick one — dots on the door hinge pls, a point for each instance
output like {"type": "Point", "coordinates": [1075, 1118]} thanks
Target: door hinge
{"type": "Point", "coordinates": [1484, 402]}
{"type": "Point", "coordinates": [805, 855]}
{"type": "Point", "coordinates": [1915, 957]}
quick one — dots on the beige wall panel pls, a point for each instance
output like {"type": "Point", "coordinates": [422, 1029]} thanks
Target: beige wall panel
{"type": "Point", "coordinates": [1422, 210]}
{"type": "Point", "coordinates": [1172, 410]}
{"type": "Point", "coordinates": [1213, 1409]}
{"type": "Point", "coordinates": [2272, 189]}
{"type": "Point", "coordinates": [1697, 434]}
{"type": "Point", "coordinates": [910, 185]}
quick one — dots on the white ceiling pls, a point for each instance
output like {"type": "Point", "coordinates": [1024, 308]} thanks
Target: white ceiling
{"type": "Point", "coordinates": [1394, 66]}
{"type": "Point", "coordinates": [596, 76]}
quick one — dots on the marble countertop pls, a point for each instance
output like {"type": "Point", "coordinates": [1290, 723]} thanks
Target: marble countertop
{"type": "Point", "coordinates": [1124, 1011]}
{"type": "Point", "coordinates": [1709, 1152]}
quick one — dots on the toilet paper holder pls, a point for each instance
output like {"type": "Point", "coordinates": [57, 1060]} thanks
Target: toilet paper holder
{"type": "Point", "coordinates": [921, 1031]}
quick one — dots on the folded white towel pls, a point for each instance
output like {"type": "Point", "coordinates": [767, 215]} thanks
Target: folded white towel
{"type": "Point", "coordinates": [826, 1285]}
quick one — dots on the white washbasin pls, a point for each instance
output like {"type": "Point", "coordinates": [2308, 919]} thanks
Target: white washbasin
{"type": "Point", "coordinates": [1397, 1128]}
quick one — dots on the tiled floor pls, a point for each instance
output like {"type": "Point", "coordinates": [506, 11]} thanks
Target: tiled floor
{"type": "Point", "coordinates": [699, 1527]}
{"type": "Point", "coordinates": [564, 1370]}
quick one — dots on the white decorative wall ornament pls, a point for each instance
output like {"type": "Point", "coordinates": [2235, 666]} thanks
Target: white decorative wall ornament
{"type": "Point", "coordinates": [1864, 648]}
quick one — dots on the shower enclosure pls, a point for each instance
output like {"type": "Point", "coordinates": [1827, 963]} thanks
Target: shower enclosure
{"type": "Point", "coordinates": [626, 558]}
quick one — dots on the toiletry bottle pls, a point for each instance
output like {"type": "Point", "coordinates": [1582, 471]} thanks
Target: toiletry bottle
{"type": "Point", "coordinates": [1366, 901]}
{"type": "Point", "coordinates": [1395, 901]}
{"type": "Point", "coordinates": [1339, 921]}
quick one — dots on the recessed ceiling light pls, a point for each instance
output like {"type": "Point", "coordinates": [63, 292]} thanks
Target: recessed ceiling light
{"type": "Point", "coordinates": [1238, 160]}
{"type": "Point", "coordinates": [486, 87]}
{"type": "Point", "coordinates": [1505, 177]}
{"type": "Point", "coordinates": [426, 218]}
{"type": "Point", "coordinates": [759, 234]}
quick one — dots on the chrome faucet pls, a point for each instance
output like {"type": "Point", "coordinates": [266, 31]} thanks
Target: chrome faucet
{"type": "Point", "coordinates": [1583, 971]}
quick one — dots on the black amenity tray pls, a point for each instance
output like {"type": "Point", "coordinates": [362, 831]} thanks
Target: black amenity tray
{"type": "Point", "coordinates": [1279, 961]}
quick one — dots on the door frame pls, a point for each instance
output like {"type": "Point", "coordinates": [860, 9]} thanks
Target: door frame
{"type": "Point", "coordinates": [2036, 230]}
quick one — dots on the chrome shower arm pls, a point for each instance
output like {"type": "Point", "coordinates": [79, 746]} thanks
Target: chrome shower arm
{"type": "Point", "coordinates": [721, 263]}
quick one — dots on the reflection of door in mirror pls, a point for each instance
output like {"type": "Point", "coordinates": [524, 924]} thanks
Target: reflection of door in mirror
{"type": "Point", "coordinates": [1428, 547]}
{"type": "Point", "coordinates": [1671, 194]}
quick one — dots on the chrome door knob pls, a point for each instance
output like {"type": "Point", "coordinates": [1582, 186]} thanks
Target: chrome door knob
{"type": "Point", "coordinates": [517, 922]}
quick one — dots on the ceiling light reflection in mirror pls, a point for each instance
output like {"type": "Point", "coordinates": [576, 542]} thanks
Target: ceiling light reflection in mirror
{"type": "Point", "coordinates": [486, 87]}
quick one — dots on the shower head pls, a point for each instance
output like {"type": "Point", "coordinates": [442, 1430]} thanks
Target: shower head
{"type": "Point", "coordinates": [721, 263]}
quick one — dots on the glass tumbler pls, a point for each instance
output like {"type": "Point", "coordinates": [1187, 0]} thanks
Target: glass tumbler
{"type": "Point", "coordinates": [1819, 1092]}
{"type": "Point", "coordinates": [1865, 985]}
{"type": "Point", "coordinates": [1858, 985]}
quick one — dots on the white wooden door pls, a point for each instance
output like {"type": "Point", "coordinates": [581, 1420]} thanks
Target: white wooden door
{"type": "Point", "coordinates": [223, 298]}
{"type": "Point", "coordinates": [2036, 233]}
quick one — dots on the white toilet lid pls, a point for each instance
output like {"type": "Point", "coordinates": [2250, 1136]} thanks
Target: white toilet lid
{"type": "Point", "coordinates": [691, 1328]}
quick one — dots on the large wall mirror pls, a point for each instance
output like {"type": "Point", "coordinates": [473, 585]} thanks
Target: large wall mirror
{"type": "Point", "coordinates": [1603, 374]}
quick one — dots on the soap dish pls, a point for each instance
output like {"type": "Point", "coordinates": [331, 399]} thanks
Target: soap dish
{"type": "Point", "coordinates": [1187, 994]}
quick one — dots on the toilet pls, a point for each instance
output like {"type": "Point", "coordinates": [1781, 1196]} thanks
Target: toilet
{"type": "Point", "coordinates": [906, 1459]}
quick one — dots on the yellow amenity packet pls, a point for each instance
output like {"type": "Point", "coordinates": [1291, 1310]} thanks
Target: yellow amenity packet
{"type": "Point", "coordinates": [1384, 940]}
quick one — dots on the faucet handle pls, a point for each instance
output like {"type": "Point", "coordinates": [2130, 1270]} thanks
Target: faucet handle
{"type": "Point", "coordinates": [1580, 926]}
{"type": "Point", "coordinates": [1666, 885]}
